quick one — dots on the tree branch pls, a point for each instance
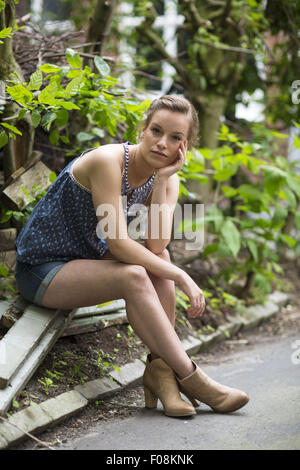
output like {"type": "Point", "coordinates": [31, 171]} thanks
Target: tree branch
{"type": "Point", "coordinates": [45, 444]}
{"type": "Point", "coordinates": [195, 16]}
{"type": "Point", "coordinates": [145, 31]}
{"type": "Point", "coordinates": [226, 48]}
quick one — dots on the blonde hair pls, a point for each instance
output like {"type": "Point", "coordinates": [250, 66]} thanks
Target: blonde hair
{"type": "Point", "coordinates": [176, 104]}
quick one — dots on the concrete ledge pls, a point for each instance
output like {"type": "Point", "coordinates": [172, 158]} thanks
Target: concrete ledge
{"type": "Point", "coordinates": [32, 420]}
{"type": "Point", "coordinates": [96, 389]}
{"type": "Point", "coordinates": [209, 340]}
{"type": "Point", "coordinates": [63, 405]}
{"type": "Point", "coordinates": [191, 344]}
{"type": "Point", "coordinates": [129, 373]}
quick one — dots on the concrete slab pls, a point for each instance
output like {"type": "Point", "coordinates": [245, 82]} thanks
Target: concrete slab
{"type": "Point", "coordinates": [191, 344]}
{"type": "Point", "coordinates": [3, 442]}
{"type": "Point", "coordinates": [63, 405]}
{"type": "Point", "coordinates": [30, 420]}
{"type": "Point", "coordinates": [230, 329]}
{"type": "Point", "coordinates": [98, 388]}
{"type": "Point", "coordinates": [209, 340]}
{"type": "Point", "coordinates": [112, 306]}
{"type": "Point", "coordinates": [129, 373]}
{"type": "Point", "coordinates": [21, 339]}
{"type": "Point", "coordinates": [33, 361]}
{"type": "Point", "coordinates": [279, 298]}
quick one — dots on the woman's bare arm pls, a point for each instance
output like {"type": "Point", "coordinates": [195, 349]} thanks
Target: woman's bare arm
{"type": "Point", "coordinates": [105, 180]}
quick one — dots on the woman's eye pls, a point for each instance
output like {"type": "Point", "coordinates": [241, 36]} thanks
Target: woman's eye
{"type": "Point", "coordinates": [155, 130]}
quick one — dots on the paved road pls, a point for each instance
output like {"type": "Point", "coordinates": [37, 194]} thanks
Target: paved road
{"type": "Point", "coordinates": [271, 419]}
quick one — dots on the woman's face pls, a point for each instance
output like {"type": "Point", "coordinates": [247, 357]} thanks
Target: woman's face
{"type": "Point", "coordinates": [162, 137]}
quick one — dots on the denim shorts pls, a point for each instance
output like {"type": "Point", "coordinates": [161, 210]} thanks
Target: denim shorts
{"type": "Point", "coordinates": [32, 281]}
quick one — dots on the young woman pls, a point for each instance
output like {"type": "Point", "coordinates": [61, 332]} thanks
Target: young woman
{"type": "Point", "coordinates": [63, 262]}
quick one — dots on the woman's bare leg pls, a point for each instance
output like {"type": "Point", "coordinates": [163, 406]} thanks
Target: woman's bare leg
{"type": "Point", "coordinates": [165, 289]}
{"type": "Point", "coordinates": [89, 282]}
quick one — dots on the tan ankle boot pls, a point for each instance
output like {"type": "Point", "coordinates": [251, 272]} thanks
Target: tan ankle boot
{"type": "Point", "coordinates": [160, 382]}
{"type": "Point", "coordinates": [219, 397]}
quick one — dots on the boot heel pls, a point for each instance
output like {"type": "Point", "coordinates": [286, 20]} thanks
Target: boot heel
{"type": "Point", "coordinates": [196, 403]}
{"type": "Point", "coordinates": [150, 398]}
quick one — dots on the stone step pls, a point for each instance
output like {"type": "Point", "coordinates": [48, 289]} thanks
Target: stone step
{"type": "Point", "coordinates": [21, 339]}
{"type": "Point", "coordinates": [95, 322]}
{"type": "Point", "coordinates": [23, 375]}
{"type": "Point", "coordinates": [107, 307]}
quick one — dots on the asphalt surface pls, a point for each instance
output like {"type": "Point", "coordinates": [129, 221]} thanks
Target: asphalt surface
{"type": "Point", "coordinates": [269, 371]}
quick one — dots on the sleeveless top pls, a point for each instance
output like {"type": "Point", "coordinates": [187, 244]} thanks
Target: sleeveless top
{"type": "Point", "coordinates": [63, 224]}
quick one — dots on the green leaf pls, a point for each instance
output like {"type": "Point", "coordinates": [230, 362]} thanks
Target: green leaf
{"type": "Point", "coordinates": [62, 117]}
{"type": "Point", "coordinates": [279, 216]}
{"type": "Point", "coordinates": [36, 80]}
{"type": "Point", "coordinates": [228, 191]}
{"type": "Point", "coordinates": [84, 136]}
{"type": "Point", "coordinates": [297, 220]}
{"type": "Point", "coordinates": [11, 128]}
{"type": "Point", "coordinates": [279, 135]}
{"type": "Point", "coordinates": [20, 94]}
{"type": "Point", "coordinates": [35, 117]}
{"type": "Point", "coordinates": [3, 138]}
{"type": "Point", "coordinates": [49, 68]}
{"type": "Point", "coordinates": [4, 271]}
{"type": "Point", "coordinates": [73, 58]}
{"type": "Point", "coordinates": [74, 85]}
{"type": "Point", "coordinates": [52, 176]}
{"type": "Point", "coordinates": [22, 113]}
{"type": "Point", "coordinates": [102, 67]}
{"type": "Point", "coordinates": [231, 236]}
{"type": "Point", "coordinates": [47, 120]}
{"type": "Point", "coordinates": [67, 104]}
{"type": "Point", "coordinates": [274, 178]}
{"type": "Point", "coordinates": [47, 95]}
{"type": "Point", "coordinates": [208, 250]}
{"type": "Point", "coordinates": [287, 239]}
{"type": "Point", "coordinates": [253, 249]}
{"type": "Point", "coordinates": [297, 142]}
{"type": "Point", "coordinates": [54, 136]}
{"type": "Point", "coordinates": [5, 33]}
{"type": "Point", "coordinates": [293, 182]}
{"type": "Point", "coordinates": [249, 193]}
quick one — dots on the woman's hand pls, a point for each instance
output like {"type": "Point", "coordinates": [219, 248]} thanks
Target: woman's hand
{"type": "Point", "coordinates": [177, 163]}
{"type": "Point", "coordinates": [194, 293]}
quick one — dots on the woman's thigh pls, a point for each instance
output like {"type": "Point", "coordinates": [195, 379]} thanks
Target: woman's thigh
{"type": "Point", "coordinates": [81, 283]}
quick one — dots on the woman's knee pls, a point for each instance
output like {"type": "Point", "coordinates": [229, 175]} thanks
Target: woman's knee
{"type": "Point", "coordinates": [136, 277]}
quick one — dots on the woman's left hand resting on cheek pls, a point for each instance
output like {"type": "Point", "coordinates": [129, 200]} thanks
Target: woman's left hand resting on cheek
{"type": "Point", "coordinates": [177, 164]}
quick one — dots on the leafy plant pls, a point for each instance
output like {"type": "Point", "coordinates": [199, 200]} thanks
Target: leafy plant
{"type": "Point", "coordinates": [56, 93]}
{"type": "Point", "coordinates": [104, 361]}
{"type": "Point", "coordinates": [47, 384]}
{"type": "Point", "coordinates": [253, 197]}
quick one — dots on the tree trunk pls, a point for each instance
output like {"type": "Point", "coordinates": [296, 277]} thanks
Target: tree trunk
{"type": "Point", "coordinates": [16, 152]}
{"type": "Point", "coordinates": [209, 121]}
{"type": "Point", "coordinates": [99, 27]}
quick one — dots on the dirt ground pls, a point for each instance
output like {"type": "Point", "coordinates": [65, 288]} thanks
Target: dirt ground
{"type": "Point", "coordinates": [131, 399]}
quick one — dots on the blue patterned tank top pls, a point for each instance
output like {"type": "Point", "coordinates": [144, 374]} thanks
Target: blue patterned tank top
{"type": "Point", "coordinates": [63, 224]}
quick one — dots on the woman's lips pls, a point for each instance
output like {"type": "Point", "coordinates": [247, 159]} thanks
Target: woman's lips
{"type": "Point", "coordinates": [159, 154]}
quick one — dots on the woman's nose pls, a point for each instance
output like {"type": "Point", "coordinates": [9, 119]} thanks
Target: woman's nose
{"type": "Point", "coordinates": [162, 142]}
